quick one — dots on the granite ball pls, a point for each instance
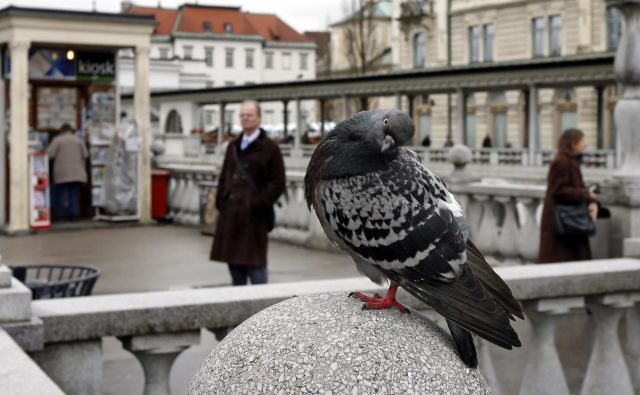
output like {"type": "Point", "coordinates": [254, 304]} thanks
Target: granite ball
{"type": "Point", "coordinates": [326, 344]}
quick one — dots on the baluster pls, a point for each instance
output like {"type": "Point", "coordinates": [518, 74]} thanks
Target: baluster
{"type": "Point", "coordinates": [486, 240]}
{"type": "Point", "coordinates": [528, 239]}
{"type": "Point", "coordinates": [607, 372]}
{"type": "Point", "coordinates": [156, 353]}
{"type": "Point", "coordinates": [543, 374]}
{"type": "Point", "coordinates": [632, 344]}
{"type": "Point", "coordinates": [507, 233]}
{"type": "Point", "coordinates": [173, 195]}
{"type": "Point", "coordinates": [473, 214]}
{"type": "Point", "coordinates": [485, 362]}
{"type": "Point", "coordinates": [194, 201]}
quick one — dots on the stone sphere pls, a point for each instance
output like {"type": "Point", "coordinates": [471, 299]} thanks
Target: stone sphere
{"type": "Point", "coordinates": [460, 155]}
{"type": "Point", "coordinates": [326, 344]}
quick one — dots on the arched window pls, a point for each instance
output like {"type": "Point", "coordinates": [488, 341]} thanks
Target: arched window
{"type": "Point", "coordinates": [419, 50]}
{"type": "Point", "coordinates": [173, 123]}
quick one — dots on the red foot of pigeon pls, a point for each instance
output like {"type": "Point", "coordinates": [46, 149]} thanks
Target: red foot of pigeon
{"type": "Point", "coordinates": [377, 302]}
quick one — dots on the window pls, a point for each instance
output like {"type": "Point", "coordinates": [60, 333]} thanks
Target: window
{"type": "Point", "coordinates": [208, 56]}
{"type": "Point", "coordinates": [268, 60]}
{"type": "Point", "coordinates": [488, 40]}
{"type": "Point", "coordinates": [187, 51]}
{"type": "Point", "coordinates": [210, 84]}
{"type": "Point", "coordinates": [209, 117]}
{"type": "Point", "coordinates": [474, 44]}
{"type": "Point", "coordinates": [206, 26]}
{"type": "Point", "coordinates": [555, 35]}
{"type": "Point", "coordinates": [614, 28]}
{"type": "Point", "coordinates": [249, 58]}
{"type": "Point", "coordinates": [228, 28]}
{"type": "Point", "coordinates": [537, 34]}
{"type": "Point", "coordinates": [304, 60]}
{"type": "Point", "coordinates": [164, 53]}
{"type": "Point", "coordinates": [419, 50]}
{"type": "Point", "coordinates": [286, 61]}
{"type": "Point", "coordinates": [229, 83]}
{"type": "Point", "coordinates": [228, 120]}
{"type": "Point", "coordinates": [173, 124]}
{"type": "Point", "coordinates": [228, 56]}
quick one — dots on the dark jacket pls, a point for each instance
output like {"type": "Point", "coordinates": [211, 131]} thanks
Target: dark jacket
{"type": "Point", "coordinates": [564, 184]}
{"type": "Point", "coordinates": [241, 229]}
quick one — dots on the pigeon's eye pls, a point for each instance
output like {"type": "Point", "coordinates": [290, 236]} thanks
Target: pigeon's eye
{"type": "Point", "coordinates": [385, 122]}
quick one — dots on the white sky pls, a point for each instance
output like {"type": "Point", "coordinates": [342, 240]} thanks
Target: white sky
{"type": "Point", "coordinates": [303, 15]}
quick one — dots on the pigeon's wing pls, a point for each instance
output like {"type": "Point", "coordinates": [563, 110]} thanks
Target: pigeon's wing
{"type": "Point", "coordinates": [404, 221]}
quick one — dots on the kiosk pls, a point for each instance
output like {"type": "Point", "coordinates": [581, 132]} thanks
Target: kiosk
{"type": "Point", "coordinates": [61, 67]}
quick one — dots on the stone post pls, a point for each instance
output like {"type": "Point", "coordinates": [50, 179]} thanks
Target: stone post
{"type": "Point", "coordinates": [156, 354]}
{"type": "Point", "coordinates": [18, 138]}
{"type": "Point", "coordinates": [142, 110]}
{"type": "Point", "coordinates": [627, 115]}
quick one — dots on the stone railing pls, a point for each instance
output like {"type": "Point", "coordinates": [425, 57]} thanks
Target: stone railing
{"type": "Point", "coordinates": [64, 335]}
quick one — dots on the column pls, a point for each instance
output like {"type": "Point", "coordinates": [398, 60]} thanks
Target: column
{"type": "Point", "coordinates": [322, 116]}
{"type": "Point", "coordinates": [411, 105]}
{"type": "Point", "coordinates": [533, 124]}
{"type": "Point", "coordinates": [300, 127]}
{"type": "Point", "coordinates": [219, 149]}
{"type": "Point", "coordinates": [364, 103]}
{"type": "Point", "coordinates": [142, 116]}
{"type": "Point", "coordinates": [285, 117]}
{"type": "Point", "coordinates": [345, 107]}
{"type": "Point", "coordinates": [18, 140]}
{"type": "Point", "coordinates": [461, 114]}
{"type": "Point", "coordinates": [399, 101]}
{"type": "Point", "coordinates": [627, 114]}
{"type": "Point", "coordinates": [3, 168]}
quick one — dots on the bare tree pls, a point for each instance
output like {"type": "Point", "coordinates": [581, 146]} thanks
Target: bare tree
{"type": "Point", "coordinates": [361, 46]}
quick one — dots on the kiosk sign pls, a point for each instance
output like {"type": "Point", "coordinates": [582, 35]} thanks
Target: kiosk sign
{"type": "Point", "coordinates": [96, 66]}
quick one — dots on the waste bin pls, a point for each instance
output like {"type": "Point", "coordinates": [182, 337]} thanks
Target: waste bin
{"type": "Point", "coordinates": [159, 194]}
{"type": "Point", "coordinates": [57, 281]}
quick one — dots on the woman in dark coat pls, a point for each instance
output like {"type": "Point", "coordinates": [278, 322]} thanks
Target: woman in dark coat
{"type": "Point", "coordinates": [241, 230]}
{"type": "Point", "coordinates": [565, 185]}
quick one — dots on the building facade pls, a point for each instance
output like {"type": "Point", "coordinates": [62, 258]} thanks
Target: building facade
{"type": "Point", "coordinates": [432, 34]}
{"type": "Point", "coordinates": [197, 46]}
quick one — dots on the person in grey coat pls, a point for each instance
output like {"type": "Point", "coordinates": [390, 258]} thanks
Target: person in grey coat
{"type": "Point", "coordinates": [69, 154]}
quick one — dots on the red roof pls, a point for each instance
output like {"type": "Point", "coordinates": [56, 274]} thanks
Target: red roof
{"type": "Point", "coordinates": [200, 19]}
{"type": "Point", "coordinates": [165, 17]}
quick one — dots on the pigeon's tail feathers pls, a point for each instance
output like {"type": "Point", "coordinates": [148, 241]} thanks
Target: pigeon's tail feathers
{"type": "Point", "coordinates": [464, 343]}
{"type": "Point", "coordinates": [465, 302]}
{"type": "Point", "coordinates": [493, 283]}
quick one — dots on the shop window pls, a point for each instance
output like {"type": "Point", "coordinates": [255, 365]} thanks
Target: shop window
{"type": "Point", "coordinates": [209, 117]}
{"type": "Point", "coordinates": [173, 123]}
{"type": "Point", "coordinates": [228, 56]}
{"type": "Point", "coordinates": [474, 44]}
{"type": "Point", "coordinates": [208, 56]}
{"type": "Point", "coordinates": [537, 34]}
{"type": "Point", "coordinates": [488, 38]}
{"type": "Point", "coordinates": [498, 106]}
{"type": "Point", "coordinates": [249, 58]}
{"type": "Point", "coordinates": [419, 50]}
{"type": "Point", "coordinates": [566, 110]}
{"type": "Point", "coordinates": [614, 28]}
{"type": "Point", "coordinates": [555, 35]}
{"type": "Point", "coordinates": [286, 61]}
{"type": "Point", "coordinates": [268, 60]}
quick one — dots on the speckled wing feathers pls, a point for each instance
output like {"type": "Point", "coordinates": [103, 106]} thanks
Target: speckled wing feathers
{"type": "Point", "coordinates": [397, 219]}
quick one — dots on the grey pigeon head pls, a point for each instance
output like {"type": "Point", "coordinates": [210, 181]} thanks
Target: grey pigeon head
{"type": "Point", "coordinates": [366, 142]}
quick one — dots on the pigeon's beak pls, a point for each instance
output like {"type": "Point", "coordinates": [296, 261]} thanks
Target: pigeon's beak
{"type": "Point", "coordinates": [387, 143]}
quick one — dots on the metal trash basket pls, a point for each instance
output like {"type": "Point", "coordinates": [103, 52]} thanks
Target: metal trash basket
{"type": "Point", "coordinates": [57, 281]}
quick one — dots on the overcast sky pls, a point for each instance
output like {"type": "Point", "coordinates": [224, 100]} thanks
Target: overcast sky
{"type": "Point", "coordinates": [303, 15]}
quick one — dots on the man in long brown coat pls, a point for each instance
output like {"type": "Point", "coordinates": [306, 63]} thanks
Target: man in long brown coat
{"type": "Point", "coordinates": [241, 231]}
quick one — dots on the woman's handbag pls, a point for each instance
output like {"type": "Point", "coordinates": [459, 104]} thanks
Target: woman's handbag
{"type": "Point", "coordinates": [573, 220]}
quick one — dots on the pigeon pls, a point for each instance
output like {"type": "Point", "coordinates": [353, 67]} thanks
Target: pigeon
{"type": "Point", "coordinates": [398, 221]}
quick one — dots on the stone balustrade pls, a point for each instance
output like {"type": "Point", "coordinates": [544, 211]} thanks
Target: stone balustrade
{"type": "Point", "coordinates": [157, 326]}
